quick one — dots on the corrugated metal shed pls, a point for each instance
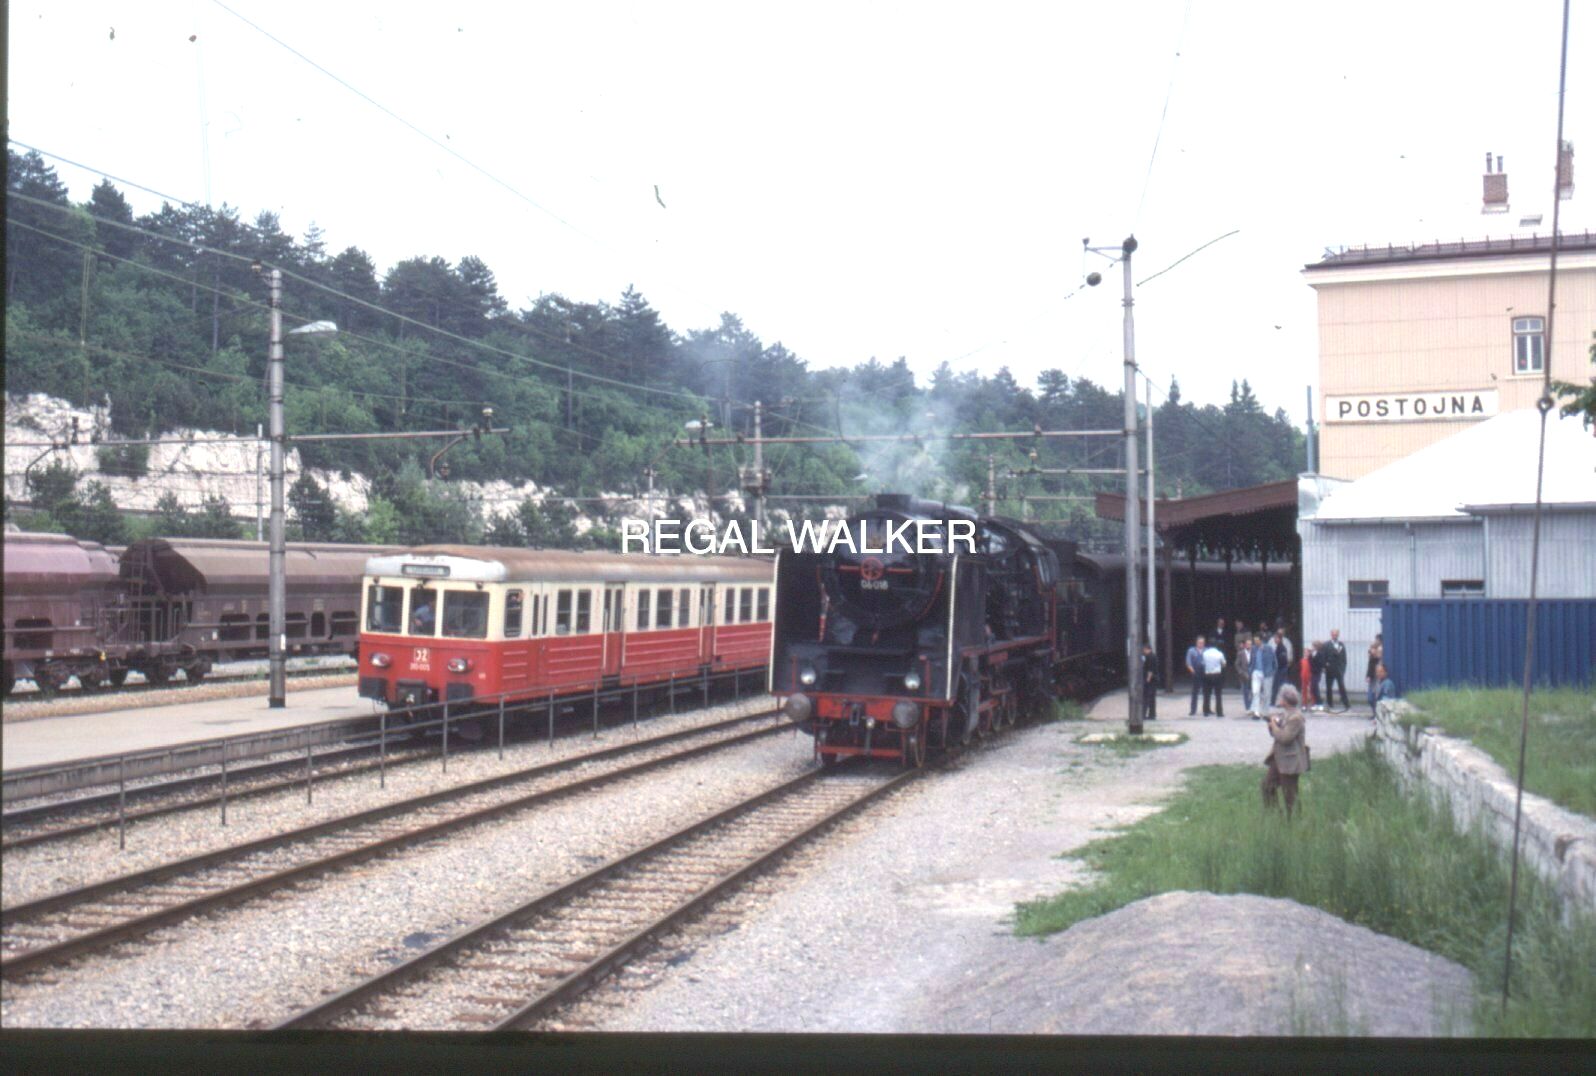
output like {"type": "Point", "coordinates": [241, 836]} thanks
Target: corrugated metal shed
{"type": "Point", "coordinates": [1480, 642]}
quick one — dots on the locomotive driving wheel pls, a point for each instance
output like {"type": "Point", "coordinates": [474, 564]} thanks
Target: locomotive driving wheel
{"type": "Point", "coordinates": [117, 677]}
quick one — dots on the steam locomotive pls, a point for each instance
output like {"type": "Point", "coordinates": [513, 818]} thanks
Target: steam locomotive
{"type": "Point", "coordinates": [892, 652]}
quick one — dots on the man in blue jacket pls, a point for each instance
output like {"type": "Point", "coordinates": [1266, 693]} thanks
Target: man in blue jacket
{"type": "Point", "coordinates": [1194, 666]}
{"type": "Point", "coordinates": [1264, 664]}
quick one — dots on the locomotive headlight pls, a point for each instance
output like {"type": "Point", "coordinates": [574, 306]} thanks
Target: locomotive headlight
{"type": "Point", "coordinates": [459, 665]}
{"type": "Point", "coordinates": [905, 715]}
{"type": "Point", "coordinates": [911, 681]}
{"type": "Point", "coordinates": [806, 676]}
{"type": "Point", "coordinates": [381, 661]}
{"type": "Point", "coordinates": [799, 708]}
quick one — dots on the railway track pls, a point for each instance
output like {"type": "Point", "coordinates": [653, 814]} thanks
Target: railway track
{"type": "Point", "coordinates": [515, 969]}
{"type": "Point", "coordinates": [46, 932]}
{"type": "Point", "coordinates": [245, 780]}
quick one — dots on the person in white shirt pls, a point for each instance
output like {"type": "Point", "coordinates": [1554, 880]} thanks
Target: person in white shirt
{"type": "Point", "coordinates": [1214, 680]}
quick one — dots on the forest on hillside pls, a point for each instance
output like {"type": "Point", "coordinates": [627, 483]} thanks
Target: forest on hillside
{"type": "Point", "coordinates": [164, 316]}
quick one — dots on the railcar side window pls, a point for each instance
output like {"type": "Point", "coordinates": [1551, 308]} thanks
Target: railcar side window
{"type": "Point", "coordinates": [512, 614]}
{"type": "Point", "coordinates": [423, 611]}
{"type": "Point", "coordinates": [562, 613]}
{"type": "Point", "coordinates": [706, 605]}
{"type": "Point", "coordinates": [385, 609]}
{"type": "Point", "coordinates": [745, 605]}
{"type": "Point", "coordinates": [684, 607]}
{"type": "Point", "coordinates": [584, 611]}
{"type": "Point", "coordinates": [662, 610]}
{"type": "Point", "coordinates": [764, 604]}
{"type": "Point", "coordinates": [642, 609]}
{"type": "Point", "coordinates": [730, 616]}
{"type": "Point", "coordinates": [465, 614]}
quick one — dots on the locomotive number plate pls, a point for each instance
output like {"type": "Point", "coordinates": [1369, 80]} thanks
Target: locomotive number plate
{"type": "Point", "coordinates": [421, 659]}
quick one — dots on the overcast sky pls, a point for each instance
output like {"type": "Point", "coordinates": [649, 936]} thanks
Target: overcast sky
{"type": "Point", "coordinates": [853, 180]}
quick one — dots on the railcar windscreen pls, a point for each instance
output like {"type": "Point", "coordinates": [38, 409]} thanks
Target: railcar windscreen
{"type": "Point", "coordinates": [465, 614]}
{"type": "Point", "coordinates": [385, 609]}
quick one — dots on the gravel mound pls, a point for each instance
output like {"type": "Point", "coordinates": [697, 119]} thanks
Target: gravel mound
{"type": "Point", "coordinates": [1201, 964]}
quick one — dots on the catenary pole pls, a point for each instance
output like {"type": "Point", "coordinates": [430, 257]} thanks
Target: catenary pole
{"type": "Point", "coordinates": [1133, 606]}
{"type": "Point", "coordinates": [1152, 545]}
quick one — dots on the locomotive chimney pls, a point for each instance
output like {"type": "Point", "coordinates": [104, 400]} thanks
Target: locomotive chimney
{"type": "Point", "coordinates": [1495, 187]}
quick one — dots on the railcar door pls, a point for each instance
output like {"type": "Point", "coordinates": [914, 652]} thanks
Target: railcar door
{"type": "Point", "coordinates": [614, 624]}
{"type": "Point", "coordinates": [706, 624]}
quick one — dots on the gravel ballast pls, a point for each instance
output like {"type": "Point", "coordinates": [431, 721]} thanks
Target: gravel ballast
{"type": "Point", "coordinates": [257, 964]}
{"type": "Point", "coordinates": [916, 900]}
{"type": "Point", "coordinates": [33, 872]}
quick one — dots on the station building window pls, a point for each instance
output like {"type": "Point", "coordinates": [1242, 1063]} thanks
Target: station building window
{"type": "Point", "coordinates": [1529, 345]}
{"type": "Point", "coordinates": [1367, 593]}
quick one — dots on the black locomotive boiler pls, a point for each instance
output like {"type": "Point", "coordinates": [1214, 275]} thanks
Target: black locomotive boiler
{"type": "Point", "coordinates": [893, 654]}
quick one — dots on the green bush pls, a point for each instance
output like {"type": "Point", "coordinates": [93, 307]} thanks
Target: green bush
{"type": "Point", "coordinates": [1364, 850]}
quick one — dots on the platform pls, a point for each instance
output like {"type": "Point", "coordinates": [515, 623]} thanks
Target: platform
{"type": "Point", "coordinates": [54, 742]}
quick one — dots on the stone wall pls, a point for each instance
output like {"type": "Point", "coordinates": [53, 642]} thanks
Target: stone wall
{"type": "Point", "coordinates": [1556, 843]}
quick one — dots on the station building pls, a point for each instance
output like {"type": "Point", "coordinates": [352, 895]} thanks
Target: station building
{"type": "Point", "coordinates": [1451, 520]}
{"type": "Point", "coordinates": [1420, 341]}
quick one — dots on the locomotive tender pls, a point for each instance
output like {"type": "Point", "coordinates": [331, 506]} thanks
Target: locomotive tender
{"type": "Point", "coordinates": [451, 623]}
{"type": "Point", "coordinates": [891, 654]}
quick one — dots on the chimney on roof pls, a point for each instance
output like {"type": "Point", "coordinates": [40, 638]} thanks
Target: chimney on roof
{"type": "Point", "coordinates": [1565, 172]}
{"type": "Point", "coordinates": [1495, 187]}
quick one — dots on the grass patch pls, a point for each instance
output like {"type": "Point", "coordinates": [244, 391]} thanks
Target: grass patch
{"type": "Point", "coordinates": [1363, 850]}
{"type": "Point", "coordinates": [1066, 710]}
{"type": "Point", "coordinates": [1560, 758]}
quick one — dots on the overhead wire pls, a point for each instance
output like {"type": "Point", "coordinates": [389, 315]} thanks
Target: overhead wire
{"type": "Point", "coordinates": [1163, 115]}
{"type": "Point", "coordinates": [390, 113]}
{"type": "Point", "coordinates": [1545, 405]}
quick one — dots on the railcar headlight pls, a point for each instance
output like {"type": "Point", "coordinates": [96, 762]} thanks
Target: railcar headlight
{"type": "Point", "coordinates": [905, 715]}
{"type": "Point", "coordinates": [459, 665]}
{"type": "Point", "coordinates": [911, 681]}
{"type": "Point", "coordinates": [799, 708]}
{"type": "Point", "coordinates": [806, 676]}
{"type": "Point", "coordinates": [381, 661]}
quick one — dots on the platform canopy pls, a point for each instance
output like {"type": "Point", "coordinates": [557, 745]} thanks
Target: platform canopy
{"type": "Point", "coordinates": [1257, 523]}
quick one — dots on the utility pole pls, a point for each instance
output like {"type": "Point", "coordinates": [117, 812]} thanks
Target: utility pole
{"type": "Point", "coordinates": [1133, 605]}
{"type": "Point", "coordinates": [260, 489]}
{"type": "Point", "coordinates": [759, 464]}
{"type": "Point", "coordinates": [277, 645]}
{"type": "Point", "coordinates": [1312, 448]}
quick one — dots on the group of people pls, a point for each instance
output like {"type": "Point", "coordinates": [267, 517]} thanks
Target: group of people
{"type": "Point", "coordinates": [1266, 664]}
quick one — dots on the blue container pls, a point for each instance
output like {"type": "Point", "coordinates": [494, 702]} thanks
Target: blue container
{"type": "Point", "coordinates": [1480, 642]}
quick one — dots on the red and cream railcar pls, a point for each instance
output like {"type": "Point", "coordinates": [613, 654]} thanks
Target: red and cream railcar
{"type": "Point", "coordinates": [459, 623]}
